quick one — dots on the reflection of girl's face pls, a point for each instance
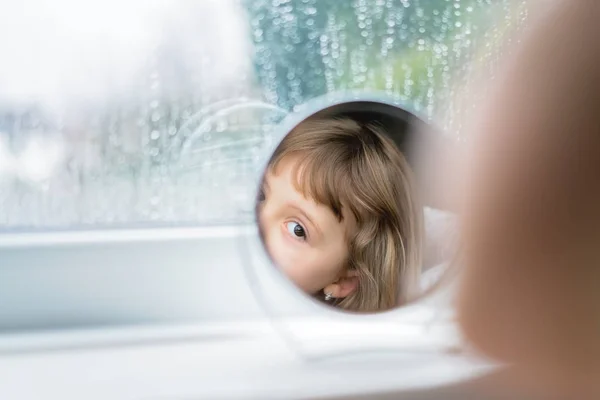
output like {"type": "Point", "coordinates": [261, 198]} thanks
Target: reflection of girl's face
{"type": "Point", "coordinates": [304, 238]}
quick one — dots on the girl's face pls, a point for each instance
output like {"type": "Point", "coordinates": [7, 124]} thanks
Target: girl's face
{"type": "Point", "coordinates": [305, 239]}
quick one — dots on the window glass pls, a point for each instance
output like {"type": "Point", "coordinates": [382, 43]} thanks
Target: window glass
{"type": "Point", "coordinates": [120, 113]}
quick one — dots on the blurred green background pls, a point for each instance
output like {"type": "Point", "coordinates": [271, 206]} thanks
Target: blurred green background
{"type": "Point", "coordinates": [183, 140]}
{"type": "Point", "coordinates": [413, 49]}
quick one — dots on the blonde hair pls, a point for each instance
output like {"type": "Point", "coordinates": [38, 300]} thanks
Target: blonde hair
{"type": "Point", "coordinates": [357, 169]}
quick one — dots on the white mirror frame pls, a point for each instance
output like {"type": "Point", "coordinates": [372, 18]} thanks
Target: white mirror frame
{"type": "Point", "coordinates": [423, 325]}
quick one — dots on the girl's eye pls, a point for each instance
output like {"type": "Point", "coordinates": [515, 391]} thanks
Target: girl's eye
{"type": "Point", "coordinates": [296, 230]}
{"type": "Point", "coordinates": [261, 196]}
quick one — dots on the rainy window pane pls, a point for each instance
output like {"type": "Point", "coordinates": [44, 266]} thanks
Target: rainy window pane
{"type": "Point", "coordinates": [121, 113]}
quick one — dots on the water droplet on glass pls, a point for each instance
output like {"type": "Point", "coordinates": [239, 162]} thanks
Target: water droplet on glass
{"type": "Point", "coordinates": [150, 129]}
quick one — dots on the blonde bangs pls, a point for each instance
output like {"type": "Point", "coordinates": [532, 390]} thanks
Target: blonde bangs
{"type": "Point", "coordinates": [317, 178]}
{"type": "Point", "coordinates": [320, 165]}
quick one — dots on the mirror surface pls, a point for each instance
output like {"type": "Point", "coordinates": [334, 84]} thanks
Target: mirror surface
{"type": "Point", "coordinates": [342, 213]}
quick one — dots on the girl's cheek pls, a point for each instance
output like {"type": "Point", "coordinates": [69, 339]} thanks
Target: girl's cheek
{"type": "Point", "coordinates": [280, 250]}
{"type": "Point", "coordinates": [290, 258]}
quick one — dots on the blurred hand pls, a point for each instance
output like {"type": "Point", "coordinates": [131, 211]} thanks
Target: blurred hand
{"type": "Point", "coordinates": [531, 289]}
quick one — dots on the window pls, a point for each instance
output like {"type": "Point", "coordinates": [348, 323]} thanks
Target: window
{"type": "Point", "coordinates": [120, 113]}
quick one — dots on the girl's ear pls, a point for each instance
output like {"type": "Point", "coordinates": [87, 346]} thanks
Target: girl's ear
{"type": "Point", "coordinates": [346, 284]}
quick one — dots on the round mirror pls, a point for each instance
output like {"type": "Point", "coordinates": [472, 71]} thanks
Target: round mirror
{"type": "Point", "coordinates": [343, 207]}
